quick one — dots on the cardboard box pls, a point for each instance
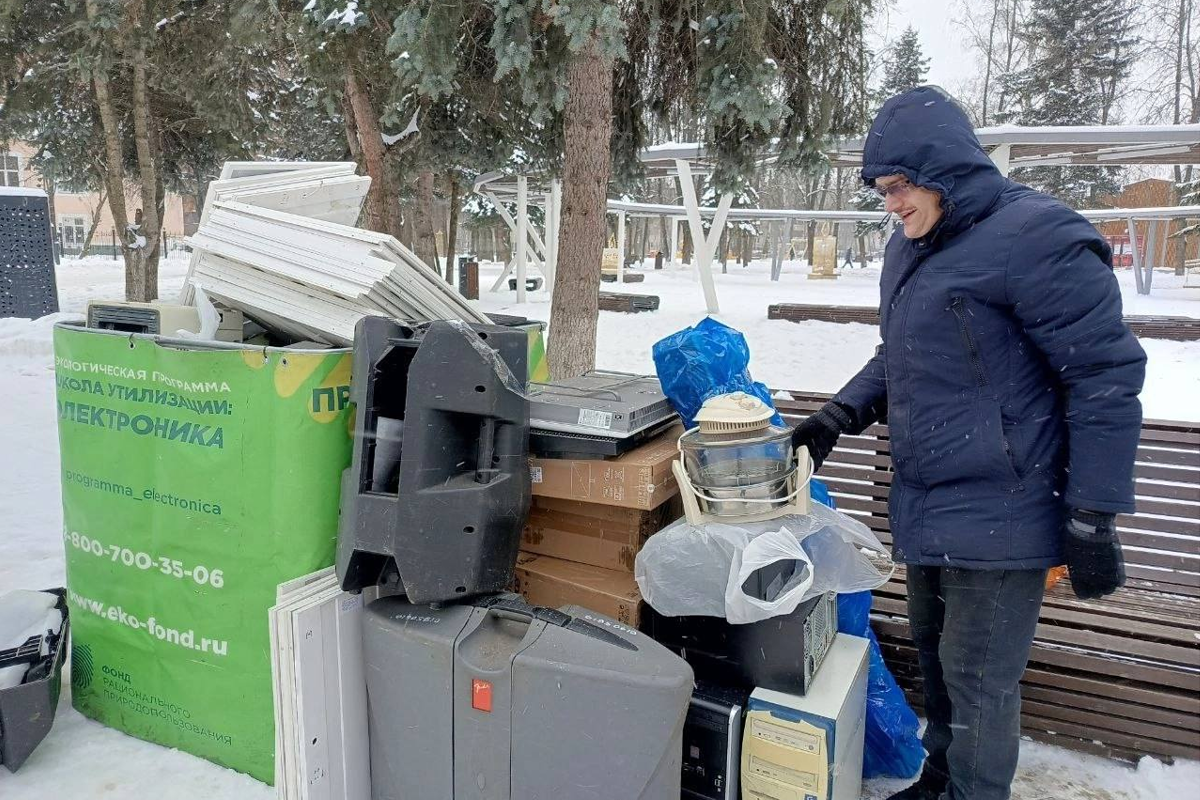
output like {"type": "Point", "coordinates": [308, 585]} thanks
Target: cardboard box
{"type": "Point", "coordinates": [641, 478]}
{"type": "Point", "coordinates": [552, 582]}
{"type": "Point", "coordinates": [590, 533]}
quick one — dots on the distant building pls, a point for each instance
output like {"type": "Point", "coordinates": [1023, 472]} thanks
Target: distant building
{"type": "Point", "coordinates": [1149, 193]}
{"type": "Point", "coordinates": [74, 212]}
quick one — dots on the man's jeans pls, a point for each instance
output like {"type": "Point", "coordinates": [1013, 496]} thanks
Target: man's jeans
{"type": "Point", "coordinates": [973, 630]}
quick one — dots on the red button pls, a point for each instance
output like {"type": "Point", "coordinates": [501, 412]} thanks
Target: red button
{"type": "Point", "coordinates": [481, 695]}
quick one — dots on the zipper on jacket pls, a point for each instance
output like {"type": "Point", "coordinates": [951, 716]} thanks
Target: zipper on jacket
{"type": "Point", "coordinates": [1008, 453]}
{"type": "Point", "coordinates": [956, 305]}
{"type": "Point", "coordinates": [1012, 463]}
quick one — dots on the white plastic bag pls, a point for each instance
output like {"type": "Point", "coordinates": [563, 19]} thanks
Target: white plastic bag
{"type": "Point", "coordinates": [701, 569]}
{"type": "Point", "coordinates": [210, 318]}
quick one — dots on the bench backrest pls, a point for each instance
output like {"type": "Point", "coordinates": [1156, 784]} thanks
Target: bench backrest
{"type": "Point", "coordinates": [1162, 540]}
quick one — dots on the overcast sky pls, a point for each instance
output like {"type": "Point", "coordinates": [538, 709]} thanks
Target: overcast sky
{"type": "Point", "coordinates": [941, 39]}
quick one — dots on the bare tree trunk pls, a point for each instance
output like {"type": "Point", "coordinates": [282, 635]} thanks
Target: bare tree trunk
{"type": "Point", "coordinates": [48, 186]}
{"type": "Point", "coordinates": [352, 142]}
{"type": "Point", "coordinates": [370, 213]}
{"type": "Point", "coordinates": [410, 237]}
{"type": "Point", "coordinates": [383, 199]}
{"type": "Point", "coordinates": [824, 190]}
{"type": "Point", "coordinates": [1010, 51]}
{"type": "Point", "coordinates": [151, 228]}
{"type": "Point", "coordinates": [664, 231]}
{"type": "Point", "coordinates": [587, 163]}
{"type": "Point", "coordinates": [452, 228]}
{"type": "Point", "coordinates": [812, 237]}
{"type": "Point", "coordinates": [641, 230]}
{"type": "Point", "coordinates": [1191, 57]}
{"type": "Point", "coordinates": [425, 243]}
{"type": "Point", "coordinates": [96, 213]}
{"type": "Point", "coordinates": [114, 172]}
{"type": "Point", "coordinates": [987, 70]}
{"type": "Point", "coordinates": [631, 240]}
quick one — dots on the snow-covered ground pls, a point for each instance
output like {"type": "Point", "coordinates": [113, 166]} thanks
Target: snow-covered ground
{"type": "Point", "coordinates": [822, 356]}
{"type": "Point", "coordinates": [82, 759]}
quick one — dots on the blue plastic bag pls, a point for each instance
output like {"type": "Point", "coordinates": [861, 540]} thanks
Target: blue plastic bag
{"type": "Point", "coordinates": [893, 743]}
{"type": "Point", "coordinates": [704, 361]}
{"type": "Point", "coordinates": [818, 491]}
{"type": "Point", "coordinates": [710, 359]}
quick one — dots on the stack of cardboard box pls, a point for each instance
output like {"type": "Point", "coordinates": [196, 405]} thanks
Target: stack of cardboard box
{"type": "Point", "coordinates": [588, 521]}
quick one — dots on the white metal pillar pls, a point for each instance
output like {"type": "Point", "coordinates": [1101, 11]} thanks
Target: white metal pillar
{"type": "Point", "coordinates": [539, 247]}
{"type": "Point", "coordinates": [1152, 236]}
{"type": "Point", "coordinates": [1000, 157]}
{"type": "Point", "coordinates": [522, 234]}
{"type": "Point", "coordinates": [620, 247]}
{"type": "Point", "coordinates": [1136, 256]}
{"type": "Point", "coordinates": [703, 246]}
{"type": "Point", "coordinates": [553, 214]}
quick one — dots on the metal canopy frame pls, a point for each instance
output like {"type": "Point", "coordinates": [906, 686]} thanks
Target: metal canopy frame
{"type": "Point", "coordinates": [1009, 146]}
{"type": "Point", "coordinates": [1014, 145]}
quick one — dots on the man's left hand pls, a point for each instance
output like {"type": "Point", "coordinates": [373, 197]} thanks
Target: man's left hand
{"type": "Point", "coordinates": [1093, 551]}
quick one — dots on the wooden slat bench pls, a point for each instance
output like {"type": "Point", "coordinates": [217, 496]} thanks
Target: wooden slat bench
{"type": "Point", "coordinates": [800, 312]}
{"type": "Point", "coordinates": [532, 283]}
{"type": "Point", "coordinates": [628, 303]}
{"type": "Point", "coordinates": [629, 277]}
{"type": "Point", "coordinates": [1183, 329]}
{"type": "Point", "coordinates": [1118, 676]}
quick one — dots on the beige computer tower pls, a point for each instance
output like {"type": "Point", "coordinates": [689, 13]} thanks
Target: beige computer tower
{"type": "Point", "coordinates": [810, 747]}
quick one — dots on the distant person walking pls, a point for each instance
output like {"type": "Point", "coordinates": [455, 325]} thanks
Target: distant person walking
{"type": "Point", "coordinates": [849, 258]}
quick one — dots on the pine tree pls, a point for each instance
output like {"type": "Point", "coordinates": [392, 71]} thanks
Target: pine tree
{"type": "Point", "coordinates": [1189, 195]}
{"type": "Point", "coordinates": [905, 67]}
{"type": "Point", "coordinates": [415, 83]}
{"type": "Point", "coordinates": [1082, 52]}
{"type": "Point", "coordinates": [582, 78]}
{"type": "Point", "coordinates": [752, 73]}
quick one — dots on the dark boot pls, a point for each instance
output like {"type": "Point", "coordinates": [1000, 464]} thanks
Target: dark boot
{"type": "Point", "coordinates": [929, 786]}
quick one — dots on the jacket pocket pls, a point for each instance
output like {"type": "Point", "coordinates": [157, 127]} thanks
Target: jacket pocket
{"type": "Point", "coordinates": [958, 307]}
{"type": "Point", "coordinates": [965, 444]}
{"type": "Point", "coordinates": [1010, 456]}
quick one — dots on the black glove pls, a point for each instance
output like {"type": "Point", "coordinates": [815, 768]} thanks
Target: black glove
{"type": "Point", "coordinates": [1093, 553]}
{"type": "Point", "coordinates": [820, 432]}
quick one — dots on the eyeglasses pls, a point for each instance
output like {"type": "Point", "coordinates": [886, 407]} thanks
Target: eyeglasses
{"type": "Point", "coordinates": [897, 189]}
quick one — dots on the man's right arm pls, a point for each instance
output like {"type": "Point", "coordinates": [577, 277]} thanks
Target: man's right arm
{"type": "Point", "coordinates": [865, 396]}
{"type": "Point", "coordinates": [860, 403]}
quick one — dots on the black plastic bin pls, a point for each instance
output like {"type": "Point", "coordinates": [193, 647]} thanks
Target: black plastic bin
{"type": "Point", "coordinates": [27, 711]}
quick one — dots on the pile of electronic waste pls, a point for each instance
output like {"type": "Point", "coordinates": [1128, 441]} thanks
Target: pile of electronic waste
{"type": "Point", "coordinates": [485, 614]}
{"type": "Point", "coordinates": [483, 632]}
{"type": "Point", "coordinates": [471, 690]}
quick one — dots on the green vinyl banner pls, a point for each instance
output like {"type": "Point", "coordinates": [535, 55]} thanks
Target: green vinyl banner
{"type": "Point", "coordinates": [195, 479]}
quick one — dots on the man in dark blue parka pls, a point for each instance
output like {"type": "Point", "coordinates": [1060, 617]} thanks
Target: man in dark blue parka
{"type": "Point", "coordinates": [1010, 387]}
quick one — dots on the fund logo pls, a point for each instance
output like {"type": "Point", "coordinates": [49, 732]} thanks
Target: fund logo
{"type": "Point", "coordinates": [82, 667]}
